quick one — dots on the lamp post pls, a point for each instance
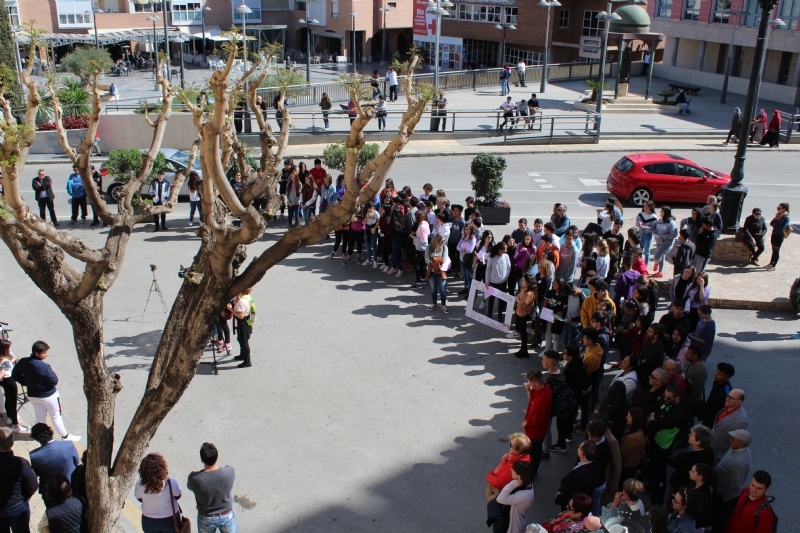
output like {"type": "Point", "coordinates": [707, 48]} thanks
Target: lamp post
{"type": "Point", "coordinates": [153, 19]}
{"type": "Point", "coordinates": [94, 20]}
{"type": "Point", "coordinates": [729, 64]}
{"type": "Point", "coordinates": [734, 193]}
{"type": "Point", "coordinates": [545, 3]}
{"type": "Point", "coordinates": [436, 8]}
{"type": "Point", "coordinates": [384, 10]}
{"type": "Point", "coordinates": [353, 16]}
{"type": "Point", "coordinates": [244, 10]}
{"type": "Point", "coordinates": [607, 18]}
{"type": "Point", "coordinates": [779, 24]}
{"type": "Point", "coordinates": [308, 22]}
{"type": "Point", "coordinates": [203, 26]}
{"type": "Point", "coordinates": [505, 26]}
{"type": "Point", "coordinates": [166, 38]}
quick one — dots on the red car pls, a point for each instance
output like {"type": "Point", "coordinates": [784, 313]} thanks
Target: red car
{"type": "Point", "coordinates": [662, 178]}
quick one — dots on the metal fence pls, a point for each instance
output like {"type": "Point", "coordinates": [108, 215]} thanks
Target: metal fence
{"type": "Point", "coordinates": [790, 121]}
{"type": "Point", "coordinates": [460, 79]}
{"type": "Point", "coordinates": [552, 126]}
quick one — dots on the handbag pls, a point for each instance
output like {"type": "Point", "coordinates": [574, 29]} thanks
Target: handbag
{"type": "Point", "coordinates": [787, 231]}
{"type": "Point", "coordinates": [739, 237]}
{"type": "Point", "coordinates": [177, 517]}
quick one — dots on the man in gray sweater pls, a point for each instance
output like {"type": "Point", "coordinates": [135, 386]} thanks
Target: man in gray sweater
{"type": "Point", "coordinates": [731, 473]}
{"type": "Point", "coordinates": [731, 417]}
{"type": "Point", "coordinates": [568, 257]}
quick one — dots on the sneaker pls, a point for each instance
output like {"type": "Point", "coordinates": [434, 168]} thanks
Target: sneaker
{"type": "Point", "coordinates": [512, 335]}
{"type": "Point", "coordinates": [346, 262]}
{"type": "Point", "coordinates": [483, 305]}
{"type": "Point", "coordinates": [658, 275]}
{"type": "Point", "coordinates": [385, 269]}
{"type": "Point", "coordinates": [568, 439]}
{"type": "Point", "coordinates": [769, 267]}
{"type": "Point", "coordinates": [333, 255]}
{"type": "Point", "coordinates": [432, 307]}
{"type": "Point", "coordinates": [239, 358]}
{"type": "Point", "coordinates": [246, 364]}
{"type": "Point", "coordinates": [228, 346]}
{"type": "Point", "coordinates": [365, 262]}
{"type": "Point", "coordinates": [560, 449]}
{"type": "Point", "coordinates": [19, 428]}
{"type": "Point", "coordinates": [191, 223]}
{"type": "Point", "coordinates": [444, 310]}
{"type": "Point", "coordinates": [391, 271]}
{"type": "Point", "coordinates": [374, 264]}
{"type": "Point", "coordinates": [399, 273]}
{"type": "Point", "coordinates": [71, 438]}
{"type": "Point", "coordinates": [465, 291]}
{"type": "Point", "coordinates": [547, 455]}
{"type": "Point", "coordinates": [95, 223]}
{"type": "Point", "coordinates": [418, 285]}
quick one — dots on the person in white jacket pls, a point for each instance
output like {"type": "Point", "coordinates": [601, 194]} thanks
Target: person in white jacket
{"type": "Point", "coordinates": [498, 268]}
{"type": "Point", "coordinates": [518, 494]}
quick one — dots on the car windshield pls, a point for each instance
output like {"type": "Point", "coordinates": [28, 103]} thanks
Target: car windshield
{"type": "Point", "coordinates": [183, 159]}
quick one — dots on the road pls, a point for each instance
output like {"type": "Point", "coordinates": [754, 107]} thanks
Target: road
{"type": "Point", "coordinates": [363, 411]}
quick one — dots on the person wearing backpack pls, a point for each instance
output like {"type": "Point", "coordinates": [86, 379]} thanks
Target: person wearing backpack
{"type": "Point", "coordinates": [505, 74]}
{"type": "Point", "coordinates": [78, 193]}
{"type": "Point", "coordinates": [753, 512]}
{"type": "Point", "coordinates": [244, 310]}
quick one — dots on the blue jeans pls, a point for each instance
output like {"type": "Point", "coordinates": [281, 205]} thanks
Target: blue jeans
{"type": "Point", "coordinates": [16, 518]}
{"type": "Point", "coordinates": [570, 335]}
{"type": "Point", "coordinates": [504, 87]}
{"type": "Point", "coordinates": [438, 285]}
{"type": "Point", "coordinates": [647, 243]}
{"type": "Point", "coordinates": [307, 213]}
{"type": "Point", "coordinates": [372, 245]}
{"type": "Point", "coordinates": [661, 252]}
{"type": "Point", "coordinates": [195, 205]}
{"type": "Point", "coordinates": [467, 273]}
{"type": "Point", "coordinates": [210, 524]}
{"type": "Point", "coordinates": [157, 525]}
{"type": "Point", "coordinates": [397, 261]}
{"type": "Point", "coordinates": [294, 212]}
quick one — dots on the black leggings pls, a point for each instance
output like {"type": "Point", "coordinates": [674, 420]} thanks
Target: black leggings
{"type": "Point", "coordinates": [223, 331]}
{"type": "Point", "coordinates": [357, 239]}
{"type": "Point", "coordinates": [776, 241]}
{"type": "Point", "coordinates": [421, 266]}
{"type": "Point", "coordinates": [501, 304]}
{"type": "Point", "coordinates": [564, 428]}
{"type": "Point", "coordinates": [520, 325]}
{"type": "Point", "coordinates": [10, 391]}
{"type": "Point", "coordinates": [341, 238]}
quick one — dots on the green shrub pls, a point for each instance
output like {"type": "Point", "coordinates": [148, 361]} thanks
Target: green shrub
{"type": "Point", "coordinates": [122, 163]}
{"type": "Point", "coordinates": [487, 169]}
{"type": "Point", "coordinates": [248, 160]}
{"type": "Point", "coordinates": [334, 156]}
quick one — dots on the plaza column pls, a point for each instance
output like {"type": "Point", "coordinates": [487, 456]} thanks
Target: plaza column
{"type": "Point", "coordinates": [651, 48]}
{"type": "Point", "coordinates": [620, 59]}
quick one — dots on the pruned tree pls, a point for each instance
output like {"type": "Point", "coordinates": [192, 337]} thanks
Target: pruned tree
{"type": "Point", "coordinates": [218, 268]}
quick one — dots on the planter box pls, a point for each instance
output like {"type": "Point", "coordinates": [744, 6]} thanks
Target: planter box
{"type": "Point", "coordinates": [46, 142]}
{"type": "Point", "coordinates": [495, 215]}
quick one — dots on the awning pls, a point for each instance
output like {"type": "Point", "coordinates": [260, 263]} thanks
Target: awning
{"type": "Point", "coordinates": [214, 34]}
{"type": "Point", "coordinates": [112, 37]}
{"type": "Point", "coordinates": [327, 33]}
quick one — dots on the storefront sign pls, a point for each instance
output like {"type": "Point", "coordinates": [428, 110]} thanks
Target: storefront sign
{"type": "Point", "coordinates": [591, 47]}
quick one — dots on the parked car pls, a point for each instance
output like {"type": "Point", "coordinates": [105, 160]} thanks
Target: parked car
{"type": "Point", "coordinates": [177, 160]}
{"type": "Point", "coordinates": [663, 178]}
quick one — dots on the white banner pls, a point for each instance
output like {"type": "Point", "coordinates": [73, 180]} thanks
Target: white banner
{"type": "Point", "coordinates": [480, 317]}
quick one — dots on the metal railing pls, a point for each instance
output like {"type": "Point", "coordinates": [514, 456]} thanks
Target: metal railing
{"type": "Point", "coordinates": [788, 121]}
{"type": "Point", "coordinates": [460, 79]}
{"type": "Point", "coordinates": [551, 126]}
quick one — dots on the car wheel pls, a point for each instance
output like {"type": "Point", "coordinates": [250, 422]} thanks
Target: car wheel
{"type": "Point", "coordinates": [641, 196]}
{"type": "Point", "coordinates": [115, 191]}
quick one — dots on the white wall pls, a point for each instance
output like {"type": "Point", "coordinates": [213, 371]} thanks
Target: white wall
{"type": "Point", "coordinates": [123, 131]}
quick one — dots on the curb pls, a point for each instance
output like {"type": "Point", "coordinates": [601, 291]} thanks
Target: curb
{"type": "Point", "coordinates": [778, 304]}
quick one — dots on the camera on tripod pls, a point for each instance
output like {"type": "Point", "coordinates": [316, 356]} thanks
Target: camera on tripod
{"type": "Point", "coordinates": [153, 268]}
{"type": "Point", "coordinates": [182, 271]}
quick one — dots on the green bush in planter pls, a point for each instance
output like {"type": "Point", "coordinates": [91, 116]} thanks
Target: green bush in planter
{"type": "Point", "coordinates": [487, 169]}
{"type": "Point", "coordinates": [335, 156]}
{"type": "Point", "coordinates": [121, 163]}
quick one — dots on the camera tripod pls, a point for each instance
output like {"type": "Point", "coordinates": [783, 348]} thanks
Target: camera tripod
{"type": "Point", "coordinates": [154, 288]}
{"type": "Point", "coordinates": [214, 350]}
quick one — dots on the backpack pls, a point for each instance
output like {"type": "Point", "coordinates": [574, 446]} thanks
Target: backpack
{"type": "Point", "coordinates": [764, 505]}
{"type": "Point", "coordinates": [564, 401]}
{"type": "Point", "coordinates": [503, 74]}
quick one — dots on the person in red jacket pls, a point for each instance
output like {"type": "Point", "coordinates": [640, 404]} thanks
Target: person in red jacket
{"type": "Point", "coordinates": [537, 416]}
{"type": "Point", "coordinates": [753, 513]}
{"type": "Point", "coordinates": [501, 476]}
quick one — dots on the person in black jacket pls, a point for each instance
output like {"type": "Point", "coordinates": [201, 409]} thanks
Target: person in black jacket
{"type": "Point", "coordinates": [583, 478]}
{"type": "Point", "coordinates": [754, 230]}
{"type": "Point", "coordinates": [97, 178]}
{"type": "Point", "coordinates": [671, 320]}
{"type": "Point", "coordinates": [720, 389]}
{"type": "Point", "coordinates": [663, 425]}
{"type": "Point", "coordinates": [43, 191]}
{"type": "Point", "coordinates": [704, 242]}
{"type": "Point", "coordinates": [651, 355]}
{"type": "Point", "coordinates": [700, 441]}
{"type": "Point", "coordinates": [682, 253]}
{"type": "Point", "coordinates": [68, 513]}
{"type": "Point", "coordinates": [578, 381]}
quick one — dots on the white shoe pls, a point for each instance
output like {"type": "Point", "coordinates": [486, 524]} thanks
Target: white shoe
{"type": "Point", "coordinates": [19, 428]}
{"type": "Point", "coordinates": [483, 305]}
{"type": "Point", "coordinates": [399, 273]}
{"type": "Point", "coordinates": [374, 264]}
{"type": "Point", "coordinates": [191, 223]}
{"type": "Point", "coordinates": [385, 269]}
{"type": "Point", "coordinates": [366, 262]}
{"type": "Point", "coordinates": [391, 271]}
{"type": "Point", "coordinates": [71, 437]}
{"type": "Point", "coordinates": [512, 335]}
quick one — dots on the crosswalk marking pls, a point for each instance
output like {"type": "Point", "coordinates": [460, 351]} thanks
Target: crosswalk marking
{"type": "Point", "coordinates": [534, 174]}
{"type": "Point", "coordinates": [536, 181]}
{"type": "Point", "coordinates": [592, 182]}
{"type": "Point", "coordinates": [546, 186]}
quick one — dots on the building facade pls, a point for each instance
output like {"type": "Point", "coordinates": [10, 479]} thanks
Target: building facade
{"type": "Point", "coordinates": [699, 37]}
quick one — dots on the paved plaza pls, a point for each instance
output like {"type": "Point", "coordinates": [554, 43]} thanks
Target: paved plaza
{"type": "Point", "coordinates": [363, 411]}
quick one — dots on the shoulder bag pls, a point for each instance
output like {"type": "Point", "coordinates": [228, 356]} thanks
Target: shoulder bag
{"type": "Point", "coordinates": [181, 523]}
{"type": "Point", "coordinates": [739, 237]}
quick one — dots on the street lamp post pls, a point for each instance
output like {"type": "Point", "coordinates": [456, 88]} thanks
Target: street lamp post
{"type": "Point", "coordinates": [729, 64]}
{"type": "Point", "coordinates": [734, 193]}
{"type": "Point", "coordinates": [203, 27]}
{"type": "Point", "coordinates": [353, 16]}
{"type": "Point", "coordinates": [607, 18]}
{"type": "Point", "coordinates": [308, 23]}
{"type": "Point", "coordinates": [153, 19]}
{"type": "Point", "coordinates": [244, 10]}
{"type": "Point", "coordinates": [94, 20]}
{"type": "Point", "coordinates": [166, 39]}
{"type": "Point", "coordinates": [779, 24]}
{"type": "Point", "coordinates": [384, 10]}
{"type": "Point", "coordinates": [504, 27]}
{"type": "Point", "coordinates": [437, 8]}
{"type": "Point", "coordinates": [543, 3]}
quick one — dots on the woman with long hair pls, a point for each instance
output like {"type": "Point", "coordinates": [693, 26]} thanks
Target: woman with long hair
{"type": "Point", "coordinates": [602, 262]}
{"type": "Point", "coordinates": [556, 300]}
{"type": "Point", "coordinates": [633, 443]}
{"type": "Point", "coordinates": [466, 254]}
{"type": "Point", "coordinates": [422, 231]}
{"type": "Point", "coordinates": [614, 258]}
{"type": "Point", "coordinates": [438, 263]}
{"type": "Point", "coordinates": [696, 295]}
{"type": "Point", "coordinates": [483, 249]}
{"type": "Point", "coordinates": [679, 284]}
{"type": "Point", "coordinates": [545, 272]}
{"type": "Point", "coordinates": [666, 232]}
{"type": "Point", "coordinates": [780, 230]}
{"type": "Point", "coordinates": [615, 406]}
{"type": "Point", "coordinates": [606, 216]}
{"type": "Point", "coordinates": [195, 196]}
{"type": "Point", "coordinates": [159, 500]}
{"type": "Point", "coordinates": [498, 269]}
{"type": "Point", "coordinates": [356, 240]}
{"type": "Point", "coordinates": [328, 194]}
{"type": "Point", "coordinates": [293, 197]}
{"type": "Point", "coordinates": [9, 385]}
{"type": "Point", "coordinates": [526, 301]}
{"type": "Point", "coordinates": [682, 519]}
{"type": "Point", "coordinates": [398, 238]}
{"type": "Point", "coordinates": [677, 350]}
{"type": "Point", "coordinates": [646, 224]}
{"type": "Point", "coordinates": [524, 250]}
{"type": "Point", "coordinates": [308, 194]}
{"type": "Point", "coordinates": [302, 170]}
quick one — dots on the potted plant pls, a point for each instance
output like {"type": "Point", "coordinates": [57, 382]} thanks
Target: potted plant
{"type": "Point", "coordinates": [487, 169]}
{"type": "Point", "coordinates": [138, 203]}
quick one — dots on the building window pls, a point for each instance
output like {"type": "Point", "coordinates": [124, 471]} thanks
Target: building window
{"type": "Point", "coordinates": [13, 13]}
{"type": "Point", "coordinates": [335, 9]}
{"type": "Point", "coordinates": [692, 10]}
{"type": "Point", "coordinates": [592, 26]}
{"type": "Point", "coordinates": [143, 8]}
{"type": "Point", "coordinates": [187, 12]}
{"type": "Point", "coordinates": [483, 13]}
{"type": "Point", "coordinates": [664, 9]}
{"type": "Point", "coordinates": [788, 11]}
{"type": "Point", "coordinates": [738, 61]}
{"type": "Point", "coordinates": [531, 58]}
{"type": "Point", "coordinates": [719, 7]}
{"type": "Point", "coordinates": [722, 58]}
{"type": "Point", "coordinates": [299, 6]}
{"type": "Point", "coordinates": [783, 70]}
{"type": "Point", "coordinates": [481, 54]}
{"type": "Point", "coordinates": [563, 19]}
{"type": "Point", "coordinates": [255, 15]}
{"type": "Point", "coordinates": [753, 10]}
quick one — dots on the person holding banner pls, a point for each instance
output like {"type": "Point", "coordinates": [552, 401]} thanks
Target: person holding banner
{"type": "Point", "coordinates": [525, 300]}
{"type": "Point", "coordinates": [498, 268]}
{"type": "Point", "coordinates": [438, 264]}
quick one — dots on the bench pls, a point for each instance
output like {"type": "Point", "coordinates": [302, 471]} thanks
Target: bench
{"type": "Point", "coordinates": [677, 87]}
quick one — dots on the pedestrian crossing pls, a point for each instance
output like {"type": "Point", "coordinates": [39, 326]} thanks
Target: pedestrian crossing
{"type": "Point", "coordinates": [543, 182]}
